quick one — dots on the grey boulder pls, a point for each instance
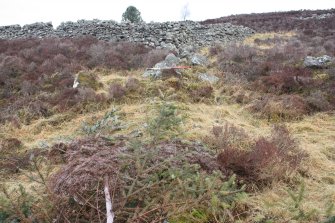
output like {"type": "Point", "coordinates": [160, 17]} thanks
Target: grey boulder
{"type": "Point", "coordinates": [170, 61]}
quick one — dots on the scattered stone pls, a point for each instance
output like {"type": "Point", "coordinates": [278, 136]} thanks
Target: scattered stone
{"type": "Point", "coordinates": [187, 51]}
{"type": "Point", "coordinates": [170, 61]}
{"type": "Point", "coordinates": [169, 46]}
{"type": "Point", "coordinates": [198, 59]}
{"type": "Point", "coordinates": [317, 62]}
{"type": "Point", "coordinates": [208, 77]}
{"type": "Point", "coordinates": [156, 73]}
{"type": "Point", "coordinates": [316, 16]}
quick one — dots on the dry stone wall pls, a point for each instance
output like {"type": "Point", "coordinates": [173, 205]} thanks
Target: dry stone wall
{"type": "Point", "coordinates": [151, 34]}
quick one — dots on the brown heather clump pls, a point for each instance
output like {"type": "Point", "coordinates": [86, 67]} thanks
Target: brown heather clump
{"type": "Point", "coordinates": [13, 158]}
{"type": "Point", "coordinates": [265, 161]}
{"type": "Point", "coordinates": [279, 108]}
{"type": "Point", "coordinates": [288, 80]}
{"type": "Point", "coordinates": [132, 84]}
{"type": "Point", "coordinates": [201, 92]}
{"type": "Point", "coordinates": [44, 69]}
{"type": "Point", "coordinates": [116, 91]}
{"type": "Point", "coordinates": [228, 136]}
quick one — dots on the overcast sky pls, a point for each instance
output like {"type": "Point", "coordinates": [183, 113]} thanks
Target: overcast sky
{"type": "Point", "coordinates": [57, 11]}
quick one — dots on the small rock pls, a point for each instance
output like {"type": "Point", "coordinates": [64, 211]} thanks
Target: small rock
{"type": "Point", "coordinates": [208, 77]}
{"type": "Point", "coordinates": [198, 59]}
{"type": "Point", "coordinates": [317, 62]}
{"type": "Point", "coordinates": [186, 51]}
{"type": "Point", "coordinates": [170, 61]}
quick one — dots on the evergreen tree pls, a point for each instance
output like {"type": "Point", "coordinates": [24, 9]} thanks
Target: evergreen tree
{"type": "Point", "coordinates": [132, 15]}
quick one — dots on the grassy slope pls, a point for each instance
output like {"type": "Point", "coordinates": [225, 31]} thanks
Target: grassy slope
{"type": "Point", "coordinates": [315, 133]}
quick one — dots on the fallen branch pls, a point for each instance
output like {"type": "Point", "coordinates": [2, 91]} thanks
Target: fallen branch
{"type": "Point", "coordinates": [109, 210]}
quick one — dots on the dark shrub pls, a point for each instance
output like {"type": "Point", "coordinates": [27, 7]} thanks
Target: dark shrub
{"type": "Point", "coordinates": [47, 67]}
{"type": "Point", "coordinates": [65, 99]}
{"type": "Point", "coordinates": [60, 60]}
{"type": "Point", "coordinates": [238, 53]}
{"type": "Point", "coordinates": [11, 67]}
{"type": "Point", "coordinates": [317, 101]}
{"type": "Point", "coordinates": [279, 108]}
{"type": "Point", "coordinates": [132, 84]}
{"type": "Point", "coordinates": [28, 88]}
{"type": "Point", "coordinates": [266, 161]}
{"type": "Point", "coordinates": [201, 92]}
{"type": "Point", "coordinates": [33, 111]}
{"type": "Point", "coordinates": [12, 159]}
{"type": "Point", "coordinates": [9, 145]}
{"type": "Point", "coordinates": [286, 80]}
{"type": "Point", "coordinates": [116, 91]}
{"type": "Point", "coordinates": [232, 159]}
{"type": "Point", "coordinates": [215, 50]}
{"type": "Point", "coordinates": [228, 136]}
{"type": "Point", "coordinates": [85, 95]}
{"type": "Point", "coordinates": [165, 179]}
{"type": "Point", "coordinates": [97, 55]}
{"type": "Point", "coordinates": [154, 56]}
{"type": "Point", "coordinates": [329, 47]}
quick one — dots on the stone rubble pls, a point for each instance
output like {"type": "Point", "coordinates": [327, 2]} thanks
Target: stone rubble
{"type": "Point", "coordinates": [159, 35]}
{"type": "Point", "coordinates": [170, 61]}
{"type": "Point", "coordinates": [198, 59]}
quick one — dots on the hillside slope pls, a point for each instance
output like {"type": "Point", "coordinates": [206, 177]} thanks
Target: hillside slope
{"type": "Point", "coordinates": [244, 133]}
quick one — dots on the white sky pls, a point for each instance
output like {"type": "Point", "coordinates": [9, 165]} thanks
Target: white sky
{"type": "Point", "coordinates": [57, 11]}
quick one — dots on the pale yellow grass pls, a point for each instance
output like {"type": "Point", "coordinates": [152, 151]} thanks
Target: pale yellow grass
{"type": "Point", "coordinates": [41, 131]}
{"type": "Point", "coordinates": [108, 77]}
{"type": "Point", "coordinates": [315, 134]}
{"type": "Point", "coordinates": [263, 36]}
{"type": "Point", "coordinates": [202, 117]}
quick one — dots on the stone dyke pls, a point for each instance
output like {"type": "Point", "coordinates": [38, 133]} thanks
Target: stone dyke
{"type": "Point", "coordinates": [152, 34]}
